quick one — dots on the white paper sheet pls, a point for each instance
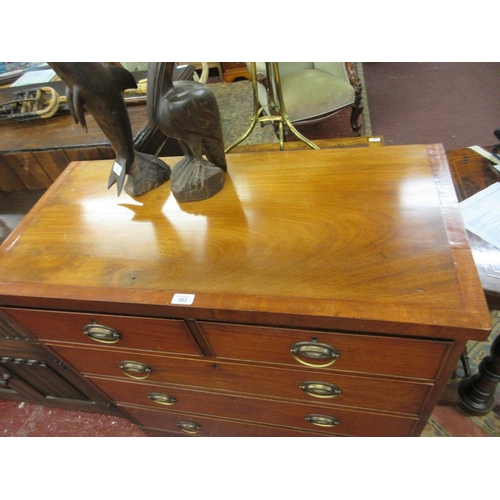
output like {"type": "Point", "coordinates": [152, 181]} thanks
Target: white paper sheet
{"type": "Point", "coordinates": [481, 214]}
{"type": "Point", "coordinates": [35, 76]}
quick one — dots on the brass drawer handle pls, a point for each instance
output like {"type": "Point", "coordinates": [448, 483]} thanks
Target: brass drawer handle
{"type": "Point", "coordinates": [322, 420]}
{"type": "Point", "coordinates": [320, 389]}
{"type": "Point", "coordinates": [189, 427]}
{"type": "Point", "coordinates": [162, 399]}
{"type": "Point", "coordinates": [316, 351]}
{"type": "Point", "coordinates": [101, 333]}
{"type": "Point", "coordinates": [130, 368]}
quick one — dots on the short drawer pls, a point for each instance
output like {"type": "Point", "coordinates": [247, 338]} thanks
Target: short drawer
{"type": "Point", "coordinates": [309, 417]}
{"type": "Point", "coordinates": [357, 391]}
{"type": "Point", "coordinates": [149, 334]}
{"type": "Point", "coordinates": [158, 423]}
{"type": "Point", "coordinates": [335, 350]}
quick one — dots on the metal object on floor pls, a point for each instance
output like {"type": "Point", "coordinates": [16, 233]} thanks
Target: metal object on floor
{"type": "Point", "coordinates": [477, 392]}
{"type": "Point", "coordinates": [496, 149]}
{"type": "Point", "coordinates": [276, 107]}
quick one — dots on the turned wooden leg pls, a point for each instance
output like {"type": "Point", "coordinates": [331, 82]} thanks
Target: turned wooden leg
{"type": "Point", "coordinates": [477, 393]}
{"type": "Point", "coordinates": [357, 109]}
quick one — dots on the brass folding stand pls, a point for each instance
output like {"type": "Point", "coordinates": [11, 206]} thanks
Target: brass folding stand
{"type": "Point", "coordinates": [276, 105]}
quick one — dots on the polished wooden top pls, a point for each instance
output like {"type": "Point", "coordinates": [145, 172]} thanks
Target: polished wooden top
{"type": "Point", "coordinates": [364, 239]}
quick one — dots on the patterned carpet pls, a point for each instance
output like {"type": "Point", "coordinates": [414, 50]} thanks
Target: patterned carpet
{"type": "Point", "coordinates": [236, 108]}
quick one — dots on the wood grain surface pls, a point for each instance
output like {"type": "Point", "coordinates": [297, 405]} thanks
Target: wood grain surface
{"type": "Point", "coordinates": [368, 239]}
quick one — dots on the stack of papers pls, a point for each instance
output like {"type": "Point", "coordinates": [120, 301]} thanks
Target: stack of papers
{"type": "Point", "coordinates": [34, 77]}
{"type": "Point", "coordinates": [481, 214]}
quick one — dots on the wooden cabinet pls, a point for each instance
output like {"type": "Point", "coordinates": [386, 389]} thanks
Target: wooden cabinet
{"type": "Point", "coordinates": [31, 372]}
{"type": "Point", "coordinates": [320, 293]}
{"type": "Point", "coordinates": [233, 70]}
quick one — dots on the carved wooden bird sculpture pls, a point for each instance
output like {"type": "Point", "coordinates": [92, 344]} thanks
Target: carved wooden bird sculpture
{"type": "Point", "coordinates": [99, 88]}
{"type": "Point", "coordinates": [188, 111]}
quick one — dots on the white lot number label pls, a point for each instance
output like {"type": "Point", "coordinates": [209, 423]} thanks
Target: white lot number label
{"type": "Point", "coordinates": [117, 168]}
{"type": "Point", "coordinates": [185, 299]}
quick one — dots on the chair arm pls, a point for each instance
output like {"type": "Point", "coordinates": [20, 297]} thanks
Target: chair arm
{"type": "Point", "coordinates": [354, 79]}
{"type": "Point", "coordinates": [260, 69]}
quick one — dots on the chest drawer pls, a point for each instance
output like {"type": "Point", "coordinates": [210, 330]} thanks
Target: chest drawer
{"type": "Point", "coordinates": [357, 391]}
{"type": "Point", "coordinates": [341, 351]}
{"type": "Point", "coordinates": [158, 423]}
{"type": "Point", "coordinates": [300, 416]}
{"type": "Point", "coordinates": [149, 334]}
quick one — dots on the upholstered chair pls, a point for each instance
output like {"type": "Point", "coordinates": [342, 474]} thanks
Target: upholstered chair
{"type": "Point", "coordinates": [135, 66]}
{"type": "Point", "coordinates": [315, 91]}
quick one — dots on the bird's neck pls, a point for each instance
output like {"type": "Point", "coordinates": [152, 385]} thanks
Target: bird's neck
{"type": "Point", "coordinates": [166, 72]}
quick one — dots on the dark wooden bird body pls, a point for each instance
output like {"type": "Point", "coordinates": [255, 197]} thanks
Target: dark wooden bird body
{"type": "Point", "coordinates": [188, 111]}
{"type": "Point", "coordinates": [191, 115]}
{"type": "Point", "coordinates": [98, 88]}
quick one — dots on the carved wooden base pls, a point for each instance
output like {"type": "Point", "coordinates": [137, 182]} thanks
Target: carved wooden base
{"type": "Point", "coordinates": [477, 393]}
{"type": "Point", "coordinates": [149, 173]}
{"type": "Point", "coordinates": [194, 180]}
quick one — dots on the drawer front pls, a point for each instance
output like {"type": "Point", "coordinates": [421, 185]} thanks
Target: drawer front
{"type": "Point", "coordinates": [362, 392]}
{"type": "Point", "coordinates": [113, 331]}
{"type": "Point", "coordinates": [299, 416]}
{"type": "Point", "coordinates": [161, 423]}
{"type": "Point", "coordinates": [356, 352]}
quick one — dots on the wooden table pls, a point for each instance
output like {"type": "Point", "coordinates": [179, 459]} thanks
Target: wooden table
{"type": "Point", "coordinates": [472, 173]}
{"type": "Point", "coordinates": [478, 394]}
{"type": "Point", "coordinates": [321, 292]}
{"type": "Point", "coordinates": [337, 142]}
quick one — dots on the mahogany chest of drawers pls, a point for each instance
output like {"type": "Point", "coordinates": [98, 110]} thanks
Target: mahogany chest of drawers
{"type": "Point", "coordinates": [319, 293]}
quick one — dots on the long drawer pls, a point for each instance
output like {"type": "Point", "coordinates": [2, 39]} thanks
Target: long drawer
{"type": "Point", "coordinates": [345, 351]}
{"type": "Point", "coordinates": [231, 429]}
{"type": "Point", "coordinates": [126, 332]}
{"type": "Point", "coordinates": [356, 391]}
{"type": "Point", "coordinates": [309, 417]}
{"type": "Point", "coordinates": [159, 423]}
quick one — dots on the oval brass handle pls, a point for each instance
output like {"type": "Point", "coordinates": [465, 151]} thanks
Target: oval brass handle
{"type": "Point", "coordinates": [101, 333]}
{"type": "Point", "coordinates": [189, 427]}
{"type": "Point", "coordinates": [316, 351]}
{"type": "Point", "coordinates": [162, 399]}
{"type": "Point", "coordinates": [320, 389]}
{"type": "Point", "coordinates": [322, 420]}
{"type": "Point", "coordinates": [130, 368]}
